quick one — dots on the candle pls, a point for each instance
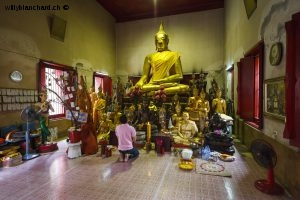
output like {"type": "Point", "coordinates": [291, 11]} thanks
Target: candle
{"type": "Point", "coordinates": [148, 132]}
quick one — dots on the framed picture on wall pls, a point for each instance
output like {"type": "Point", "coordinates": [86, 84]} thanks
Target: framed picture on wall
{"type": "Point", "coordinates": [274, 98]}
{"type": "Point", "coordinates": [250, 6]}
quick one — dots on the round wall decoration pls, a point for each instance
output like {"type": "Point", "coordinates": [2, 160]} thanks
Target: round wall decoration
{"type": "Point", "coordinates": [16, 76]}
{"type": "Point", "coordinates": [275, 54]}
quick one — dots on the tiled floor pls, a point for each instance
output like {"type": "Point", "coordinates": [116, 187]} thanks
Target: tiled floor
{"type": "Point", "coordinates": [151, 176]}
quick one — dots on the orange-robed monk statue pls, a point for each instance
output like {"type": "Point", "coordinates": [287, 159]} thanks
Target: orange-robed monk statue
{"type": "Point", "coordinates": [162, 68]}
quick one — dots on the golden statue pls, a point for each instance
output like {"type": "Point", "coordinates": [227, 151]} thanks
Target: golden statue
{"type": "Point", "coordinates": [176, 119]}
{"type": "Point", "coordinates": [104, 128]}
{"type": "Point", "coordinates": [178, 112]}
{"type": "Point", "coordinates": [93, 95]}
{"type": "Point", "coordinates": [187, 130]}
{"type": "Point", "coordinates": [203, 107]}
{"type": "Point", "coordinates": [162, 68]}
{"type": "Point", "coordinates": [218, 103]}
{"type": "Point", "coordinates": [192, 108]}
{"type": "Point", "coordinates": [98, 110]}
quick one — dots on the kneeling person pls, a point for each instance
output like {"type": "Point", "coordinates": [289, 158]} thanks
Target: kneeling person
{"type": "Point", "coordinates": [126, 135]}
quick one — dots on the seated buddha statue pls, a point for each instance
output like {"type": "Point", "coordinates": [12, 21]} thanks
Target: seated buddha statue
{"type": "Point", "coordinates": [162, 68]}
{"type": "Point", "coordinates": [187, 130]}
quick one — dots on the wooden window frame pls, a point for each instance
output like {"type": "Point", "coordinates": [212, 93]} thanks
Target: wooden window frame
{"type": "Point", "coordinates": [248, 98]}
{"type": "Point", "coordinates": [42, 78]}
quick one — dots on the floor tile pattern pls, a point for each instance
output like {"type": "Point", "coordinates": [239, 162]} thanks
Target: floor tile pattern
{"type": "Point", "coordinates": [53, 176]}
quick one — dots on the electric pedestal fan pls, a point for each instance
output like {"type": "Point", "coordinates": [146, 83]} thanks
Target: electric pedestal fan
{"type": "Point", "coordinates": [264, 154]}
{"type": "Point", "coordinates": [28, 114]}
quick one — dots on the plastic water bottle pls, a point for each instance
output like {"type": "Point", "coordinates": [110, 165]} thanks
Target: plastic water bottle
{"type": "Point", "coordinates": [206, 153]}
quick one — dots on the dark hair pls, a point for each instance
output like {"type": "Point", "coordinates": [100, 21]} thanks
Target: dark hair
{"type": "Point", "coordinates": [123, 119]}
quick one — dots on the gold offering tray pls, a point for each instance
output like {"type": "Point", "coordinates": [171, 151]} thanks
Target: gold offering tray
{"type": "Point", "coordinates": [186, 164]}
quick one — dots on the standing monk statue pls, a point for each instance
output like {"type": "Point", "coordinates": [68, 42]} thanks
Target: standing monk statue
{"type": "Point", "coordinates": [162, 68]}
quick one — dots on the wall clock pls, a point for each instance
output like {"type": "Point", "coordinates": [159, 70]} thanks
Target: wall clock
{"type": "Point", "coordinates": [275, 53]}
{"type": "Point", "coordinates": [16, 76]}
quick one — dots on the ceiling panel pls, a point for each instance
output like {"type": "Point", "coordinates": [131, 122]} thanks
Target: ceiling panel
{"type": "Point", "coordinates": [128, 10]}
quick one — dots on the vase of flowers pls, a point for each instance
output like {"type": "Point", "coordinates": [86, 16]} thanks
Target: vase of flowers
{"type": "Point", "coordinates": [135, 95]}
{"type": "Point", "coordinates": [160, 97]}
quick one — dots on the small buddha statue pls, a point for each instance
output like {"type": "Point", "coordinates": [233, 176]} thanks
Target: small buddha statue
{"type": "Point", "coordinates": [131, 115]}
{"type": "Point", "coordinates": [175, 124]}
{"type": "Point", "coordinates": [218, 103]}
{"type": "Point", "coordinates": [192, 83]}
{"type": "Point", "coordinates": [104, 128]}
{"type": "Point", "coordinates": [99, 109]}
{"type": "Point", "coordinates": [202, 82]}
{"type": "Point", "coordinates": [93, 95]}
{"type": "Point", "coordinates": [165, 67]}
{"type": "Point", "coordinates": [192, 105]}
{"type": "Point", "coordinates": [203, 109]}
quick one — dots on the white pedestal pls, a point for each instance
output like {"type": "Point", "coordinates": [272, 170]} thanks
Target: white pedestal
{"type": "Point", "coordinates": [74, 150]}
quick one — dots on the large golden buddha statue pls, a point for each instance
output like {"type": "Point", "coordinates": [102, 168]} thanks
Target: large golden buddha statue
{"type": "Point", "coordinates": [162, 68]}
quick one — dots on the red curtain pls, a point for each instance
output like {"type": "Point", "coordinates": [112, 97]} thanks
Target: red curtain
{"type": "Point", "coordinates": [292, 81]}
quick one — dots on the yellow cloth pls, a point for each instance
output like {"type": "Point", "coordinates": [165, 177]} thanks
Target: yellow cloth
{"type": "Point", "coordinates": [161, 63]}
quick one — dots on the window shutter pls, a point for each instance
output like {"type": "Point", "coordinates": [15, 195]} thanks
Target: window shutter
{"type": "Point", "coordinates": [292, 81]}
{"type": "Point", "coordinates": [245, 88]}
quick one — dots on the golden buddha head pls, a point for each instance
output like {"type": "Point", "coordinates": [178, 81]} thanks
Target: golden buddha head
{"type": "Point", "coordinates": [161, 39]}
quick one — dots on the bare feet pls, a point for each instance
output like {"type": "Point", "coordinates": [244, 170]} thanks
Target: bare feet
{"type": "Point", "coordinates": [126, 157]}
{"type": "Point", "coordinates": [121, 158]}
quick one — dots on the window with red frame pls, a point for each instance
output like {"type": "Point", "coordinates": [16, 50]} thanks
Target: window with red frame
{"type": "Point", "coordinates": [48, 72]}
{"type": "Point", "coordinates": [250, 86]}
{"type": "Point", "coordinates": [103, 81]}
